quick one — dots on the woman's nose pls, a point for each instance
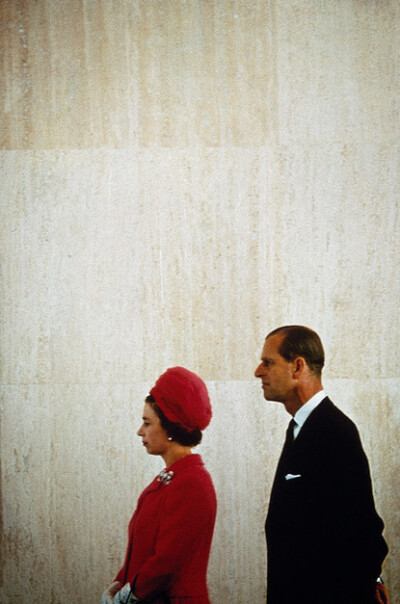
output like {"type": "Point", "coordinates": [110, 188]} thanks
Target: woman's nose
{"type": "Point", "coordinates": [139, 432]}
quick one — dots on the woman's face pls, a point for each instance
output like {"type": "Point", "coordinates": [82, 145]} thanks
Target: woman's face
{"type": "Point", "coordinates": [153, 435]}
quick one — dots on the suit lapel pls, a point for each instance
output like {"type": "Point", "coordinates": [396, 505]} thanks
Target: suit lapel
{"type": "Point", "coordinates": [313, 420]}
{"type": "Point", "coordinates": [292, 450]}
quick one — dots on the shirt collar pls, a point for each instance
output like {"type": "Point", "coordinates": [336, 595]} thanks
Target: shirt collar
{"type": "Point", "coordinates": [304, 411]}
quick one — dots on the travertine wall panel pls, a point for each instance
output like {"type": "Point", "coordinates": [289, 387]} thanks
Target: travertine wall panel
{"type": "Point", "coordinates": [97, 242]}
{"type": "Point", "coordinates": [92, 74]}
{"type": "Point", "coordinates": [337, 77]}
{"type": "Point", "coordinates": [68, 74]}
{"type": "Point", "coordinates": [178, 177]}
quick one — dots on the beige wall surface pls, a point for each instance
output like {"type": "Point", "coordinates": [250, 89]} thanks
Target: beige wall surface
{"type": "Point", "coordinates": [179, 177]}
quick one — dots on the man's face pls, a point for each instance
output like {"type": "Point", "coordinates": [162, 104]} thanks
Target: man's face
{"type": "Point", "coordinates": [275, 373]}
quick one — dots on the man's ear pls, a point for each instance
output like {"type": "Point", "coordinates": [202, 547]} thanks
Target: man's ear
{"type": "Point", "coordinates": [299, 364]}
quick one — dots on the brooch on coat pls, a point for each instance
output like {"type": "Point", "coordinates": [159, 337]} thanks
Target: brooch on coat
{"type": "Point", "coordinates": [165, 477]}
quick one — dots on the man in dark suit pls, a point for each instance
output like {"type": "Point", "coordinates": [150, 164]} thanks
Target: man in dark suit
{"type": "Point", "coordinates": [324, 536]}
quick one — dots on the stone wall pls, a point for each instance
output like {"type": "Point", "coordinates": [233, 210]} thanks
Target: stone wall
{"type": "Point", "coordinates": [179, 177]}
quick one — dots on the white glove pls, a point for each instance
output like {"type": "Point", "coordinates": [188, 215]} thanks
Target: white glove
{"type": "Point", "coordinates": [122, 597]}
{"type": "Point", "coordinates": [108, 595]}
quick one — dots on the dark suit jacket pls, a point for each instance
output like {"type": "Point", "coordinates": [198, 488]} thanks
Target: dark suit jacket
{"type": "Point", "coordinates": [324, 537]}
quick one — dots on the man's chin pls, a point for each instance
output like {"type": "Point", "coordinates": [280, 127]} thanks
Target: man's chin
{"type": "Point", "coordinates": [271, 398]}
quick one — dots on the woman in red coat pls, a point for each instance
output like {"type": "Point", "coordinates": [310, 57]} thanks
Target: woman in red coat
{"type": "Point", "coordinates": [171, 530]}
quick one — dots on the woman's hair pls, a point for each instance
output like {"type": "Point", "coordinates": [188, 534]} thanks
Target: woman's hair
{"type": "Point", "coordinates": [173, 430]}
{"type": "Point", "coordinates": [300, 341]}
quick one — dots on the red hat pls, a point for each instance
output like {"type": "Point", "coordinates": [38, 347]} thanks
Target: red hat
{"type": "Point", "coordinates": [183, 398]}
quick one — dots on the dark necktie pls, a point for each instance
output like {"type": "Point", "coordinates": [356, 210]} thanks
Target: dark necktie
{"type": "Point", "coordinates": [282, 469]}
{"type": "Point", "coordinates": [289, 432]}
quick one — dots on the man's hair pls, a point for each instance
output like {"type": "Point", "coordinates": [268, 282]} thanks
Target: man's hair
{"type": "Point", "coordinates": [175, 431]}
{"type": "Point", "coordinates": [300, 341]}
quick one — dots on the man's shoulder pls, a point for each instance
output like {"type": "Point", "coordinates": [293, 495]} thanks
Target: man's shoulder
{"type": "Point", "coordinates": [331, 432]}
{"type": "Point", "coordinates": [329, 415]}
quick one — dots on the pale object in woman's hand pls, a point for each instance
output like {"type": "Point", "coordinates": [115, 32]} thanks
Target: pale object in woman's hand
{"type": "Point", "coordinates": [108, 595]}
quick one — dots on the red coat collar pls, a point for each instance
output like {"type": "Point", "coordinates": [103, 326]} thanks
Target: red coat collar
{"type": "Point", "coordinates": [185, 462]}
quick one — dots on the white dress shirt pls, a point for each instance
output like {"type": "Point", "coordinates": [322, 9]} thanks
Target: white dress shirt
{"type": "Point", "coordinates": [304, 411]}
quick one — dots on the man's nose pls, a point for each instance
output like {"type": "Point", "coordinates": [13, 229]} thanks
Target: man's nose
{"type": "Point", "coordinates": [258, 371]}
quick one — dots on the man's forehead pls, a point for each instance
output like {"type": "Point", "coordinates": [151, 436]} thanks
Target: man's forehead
{"type": "Point", "coordinates": [272, 344]}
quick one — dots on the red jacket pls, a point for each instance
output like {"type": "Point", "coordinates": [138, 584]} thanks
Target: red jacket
{"type": "Point", "coordinates": [170, 536]}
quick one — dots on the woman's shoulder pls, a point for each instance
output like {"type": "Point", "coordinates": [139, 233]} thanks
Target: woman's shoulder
{"type": "Point", "coordinates": [190, 473]}
{"type": "Point", "coordinates": [189, 465]}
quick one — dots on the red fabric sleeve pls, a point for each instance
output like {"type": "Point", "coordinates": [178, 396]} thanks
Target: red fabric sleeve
{"type": "Point", "coordinates": [121, 574]}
